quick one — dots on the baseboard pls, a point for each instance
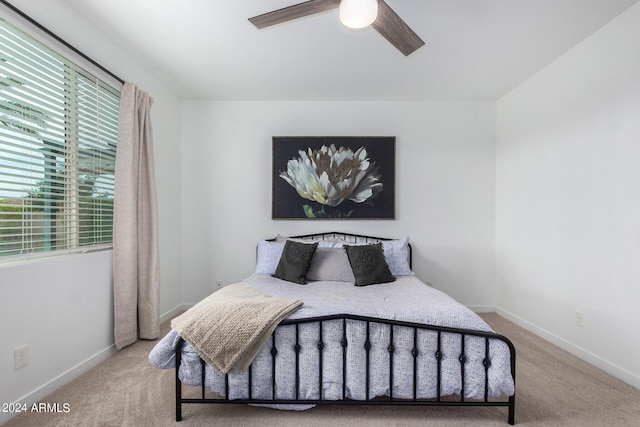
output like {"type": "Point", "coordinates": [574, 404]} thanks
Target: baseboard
{"type": "Point", "coordinates": [482, 308]}
{"type": "Point", "coordinates": [174, 312]}
{"type": "Point", "coordinates": [589, 357]}
{"type": "Point", "coordinates": [66, 377]}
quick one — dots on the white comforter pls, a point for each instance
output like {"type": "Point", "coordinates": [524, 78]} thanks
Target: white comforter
{"type": "Point", "coordinates": [407, 299]}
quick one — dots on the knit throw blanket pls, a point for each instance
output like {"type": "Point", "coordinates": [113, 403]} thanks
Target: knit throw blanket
{"type": "Point", "coordinates": [229, 327]}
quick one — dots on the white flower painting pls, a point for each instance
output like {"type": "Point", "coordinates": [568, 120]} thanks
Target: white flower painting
{"type": "Point", "coordinates": [333, 179]}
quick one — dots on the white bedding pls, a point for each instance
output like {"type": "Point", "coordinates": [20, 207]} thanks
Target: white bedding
{"type": "Point", "coordinates": [406, 299]}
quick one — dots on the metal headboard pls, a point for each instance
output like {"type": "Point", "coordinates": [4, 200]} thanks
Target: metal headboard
{"type": "Point", "coordinates": [348, 238]}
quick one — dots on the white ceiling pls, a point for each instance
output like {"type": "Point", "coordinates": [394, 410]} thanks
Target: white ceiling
{"type": "Point", "coordinates": [475, 49]}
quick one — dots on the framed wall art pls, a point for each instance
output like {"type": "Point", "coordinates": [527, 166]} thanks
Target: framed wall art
{"type": "Point", "coordinates": [333, 177]}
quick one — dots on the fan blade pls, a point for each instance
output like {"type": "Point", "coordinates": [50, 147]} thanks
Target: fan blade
{"type": "Point", "coordinates": [293, 12]}
{"type": "Point", "coordinates": [394, 29]}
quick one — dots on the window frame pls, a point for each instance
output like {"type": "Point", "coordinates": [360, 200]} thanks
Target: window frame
{"type": "Point", "coordinates": [103, 78]}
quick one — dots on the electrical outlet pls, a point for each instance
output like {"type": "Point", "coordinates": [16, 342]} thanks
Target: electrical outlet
{"type": "Point", "coordinates": [20, 357]}
{"type": "Point", "coordinates": [579, 317]}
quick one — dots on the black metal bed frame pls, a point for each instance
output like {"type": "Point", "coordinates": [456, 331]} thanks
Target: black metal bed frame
{"type": "Point", "coordinates": [439, 400]}
{"type": "Point", "coordinates": [388, 400]}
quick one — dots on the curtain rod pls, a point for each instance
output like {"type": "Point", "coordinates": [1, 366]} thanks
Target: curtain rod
{"type": "Point", "coordinates": [58, 39]}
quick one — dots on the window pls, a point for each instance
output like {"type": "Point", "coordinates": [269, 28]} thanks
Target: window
{"type": "Point", "coordinates": [58, 133]}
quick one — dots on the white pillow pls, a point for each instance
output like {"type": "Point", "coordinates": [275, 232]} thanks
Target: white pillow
{"type": "Point", "coordinates": [396, 253]}
{"type": "Point", "coordinates": [268, 256]}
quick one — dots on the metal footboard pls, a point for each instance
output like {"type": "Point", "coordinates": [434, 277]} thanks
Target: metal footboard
{"type": "Point", "coordinates": [439, 400]}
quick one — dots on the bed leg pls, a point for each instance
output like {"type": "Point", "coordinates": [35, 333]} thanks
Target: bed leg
{"type": "Point", "coordinates": [512, 410]}
{"type": "Point", "coordinates": [178, 403]}
{"type": "Point", "coordinates": [178, 382]}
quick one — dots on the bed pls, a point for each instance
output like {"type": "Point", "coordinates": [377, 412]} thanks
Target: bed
{"type": "Point", "coordinates": [395, 342]}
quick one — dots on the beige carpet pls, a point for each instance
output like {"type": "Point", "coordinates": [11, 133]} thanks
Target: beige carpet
{"type": "Point", "coordinates": [553, 389]}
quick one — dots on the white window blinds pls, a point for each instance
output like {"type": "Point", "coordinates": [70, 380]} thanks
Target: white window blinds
{"type": "Point", "coordinates": [58, 133]}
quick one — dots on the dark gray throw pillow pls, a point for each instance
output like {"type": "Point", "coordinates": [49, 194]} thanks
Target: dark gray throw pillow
{"type": "Point", "coordinates": [368, 264]}
{"type": "Point", "coordinates": [295, 261]}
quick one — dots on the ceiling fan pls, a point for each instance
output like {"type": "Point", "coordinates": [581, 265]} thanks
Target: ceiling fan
{"type": "Point", "coordinates": [376, 13]}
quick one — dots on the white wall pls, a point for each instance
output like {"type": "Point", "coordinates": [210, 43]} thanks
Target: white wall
{"type": "Point", "coordinates": [62, 308]}
{"type": "Point", "coordinates": [445, 185]}
{"type": "Point", "coordinates": [568, 199]}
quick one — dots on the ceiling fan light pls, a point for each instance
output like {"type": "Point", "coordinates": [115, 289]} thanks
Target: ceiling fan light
{"type": "Point", "coordinates": [358, 13]}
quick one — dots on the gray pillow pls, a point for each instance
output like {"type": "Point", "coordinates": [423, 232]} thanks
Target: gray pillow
{"type": "Point", "coordinates": [295, 261]}
{"type": "Point", "coordinates": [330, 264]}
{"type": "Point", "coordinates": [396, 253]}
{"type": "Point", "coordinates": [368, 264]}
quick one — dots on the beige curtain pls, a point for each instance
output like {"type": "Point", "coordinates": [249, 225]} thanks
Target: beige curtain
{"type": "Point", "coordinates": [136, 267]}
